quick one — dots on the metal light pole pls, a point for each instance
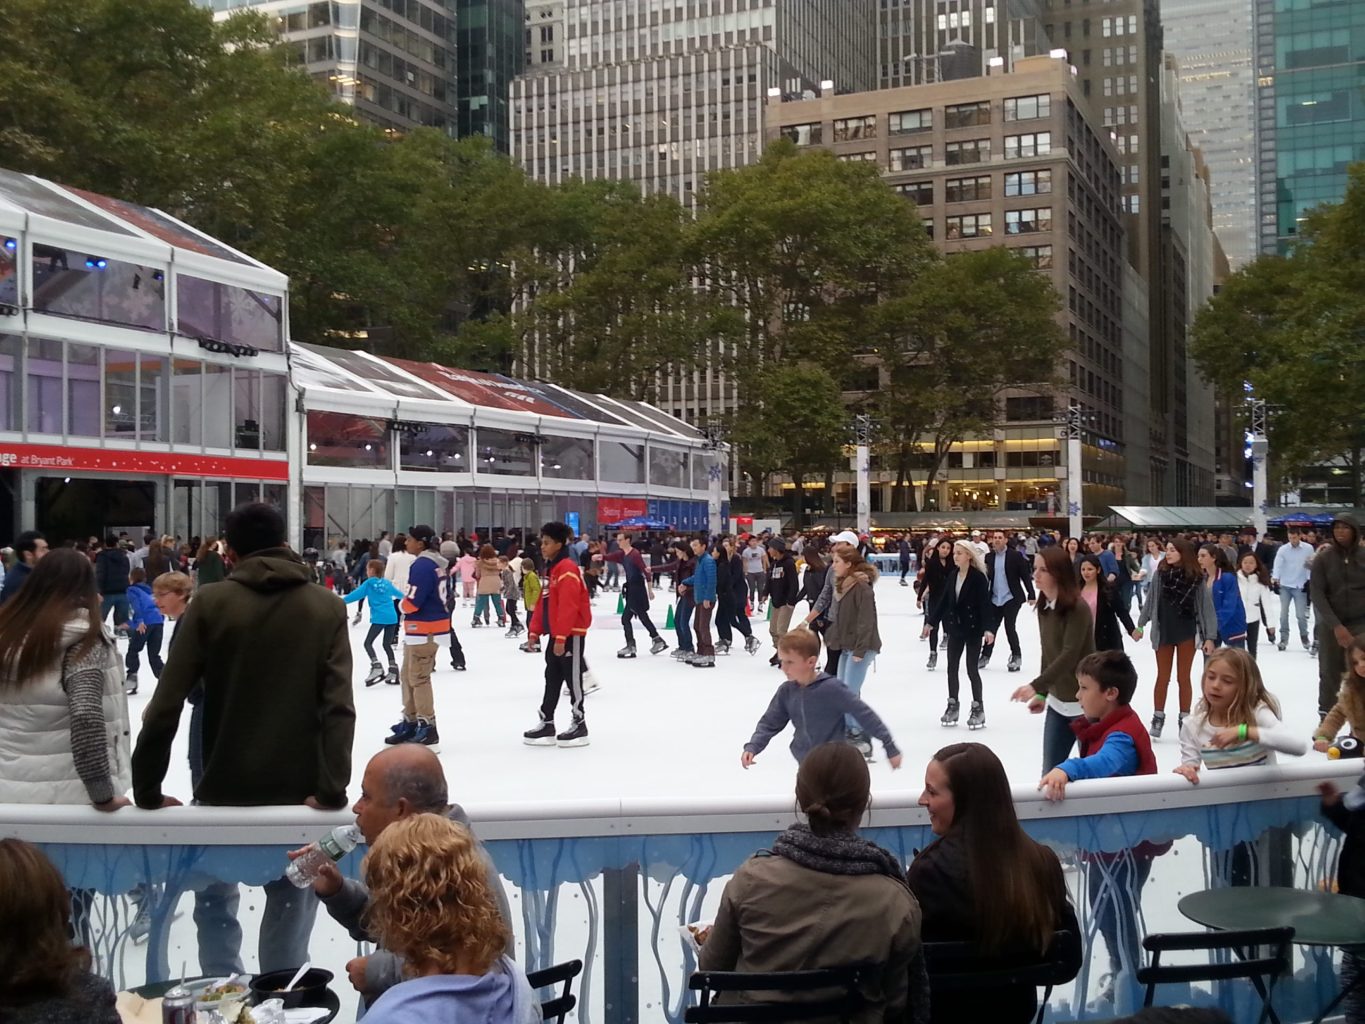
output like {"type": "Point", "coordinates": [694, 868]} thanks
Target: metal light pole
{"type": "Point", "coordinates": [715, 474]}
{"type": "Point", "coordinates": [863, 426]}
{"type": "Point", "coordinates": [1260, 449]}
{"type": "Point", "coordinates": [1075, 496]}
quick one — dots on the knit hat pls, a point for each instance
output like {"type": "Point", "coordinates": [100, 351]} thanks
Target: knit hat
{"type": "Point", "coordinates": [449, 549]}
{"type": "Point", "coordinates": [777, 544]}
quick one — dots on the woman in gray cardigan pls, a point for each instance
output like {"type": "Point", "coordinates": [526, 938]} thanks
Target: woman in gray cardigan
{"type": "Point", "coordinates": [853, 626]}
{"type": "Point", "coordinates": [1181, 612]}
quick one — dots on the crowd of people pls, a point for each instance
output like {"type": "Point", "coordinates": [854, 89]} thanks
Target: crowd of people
{"type": "Point", "coordinates": [431, 899]}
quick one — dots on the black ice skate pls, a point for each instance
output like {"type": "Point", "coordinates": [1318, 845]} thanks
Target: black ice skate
{"type": "Point", "coordinates": [977, 718]}
{"type": "Point", "coordinates": [575, 736]}
{"type": "Point", "coordinates": [751, 644]}
{"type": "Point", "coordinates": [950, 713]}
{"type": "Point", "coordinates": [543, 735]}
{"type": "Point", "coordinates": [627, 651]}
{"type": "Point", "coordinates": [657, 645]}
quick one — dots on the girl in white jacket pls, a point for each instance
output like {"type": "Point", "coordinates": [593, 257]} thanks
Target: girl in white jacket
{"type": "Point", "coordinates": [1260, 603]}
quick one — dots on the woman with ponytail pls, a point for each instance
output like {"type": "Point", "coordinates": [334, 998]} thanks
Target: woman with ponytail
{"type": "Point", "coordinates": [824, 897]}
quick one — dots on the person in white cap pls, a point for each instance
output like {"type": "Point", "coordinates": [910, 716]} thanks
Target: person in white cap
{"type": "Point", "coordinates": [980, 544]}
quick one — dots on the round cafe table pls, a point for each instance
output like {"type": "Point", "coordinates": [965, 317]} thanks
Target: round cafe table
{"type": "Point", "coordinates": [329, 1001]}
{"type": "Point", "coordinates": [1318, 918]}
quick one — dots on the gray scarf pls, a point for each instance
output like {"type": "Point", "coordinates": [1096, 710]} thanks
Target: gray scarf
{"type": "Point", "coordinates": [840, 854]}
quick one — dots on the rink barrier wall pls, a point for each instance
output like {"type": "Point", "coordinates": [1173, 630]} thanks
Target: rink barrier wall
{"type": "Point", "coordinates": [611, 881]}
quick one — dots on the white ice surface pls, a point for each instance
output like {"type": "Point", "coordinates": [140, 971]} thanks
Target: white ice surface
{"type": "Point", "coordinates": [659, 728]}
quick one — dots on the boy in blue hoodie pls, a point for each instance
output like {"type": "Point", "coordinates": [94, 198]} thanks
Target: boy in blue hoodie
{"type": "Point", "coordinates": [815, 703]}
{"type": "Point", "coordinates": [703, 584]}
{"type": "Point", "coordinates": [381, 595]}
{"type": "Point", "coordinates": [145, 625]}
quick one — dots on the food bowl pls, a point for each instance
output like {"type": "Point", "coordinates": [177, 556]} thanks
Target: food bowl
{"type": "Point", "coordinates": [309, 990]}
{"type": "Point", "coordinates": [209, 994]}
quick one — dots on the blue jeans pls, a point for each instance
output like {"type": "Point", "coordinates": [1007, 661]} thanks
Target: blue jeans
{"type": "Point", "coordinates": [1298, 597]}
{"type": "Point", "coordinates": [682, 622]}
{"type": "Point", "coordinates": [118, 603]}
{"type": "Point", "coordinates": [1237, 645]}
{"type": "Point", "coordinates": [851, 674]}
{"type": "Point", "coordinates": [1058, 739]}
{"type": "Point", "coordinates": [151, 642]}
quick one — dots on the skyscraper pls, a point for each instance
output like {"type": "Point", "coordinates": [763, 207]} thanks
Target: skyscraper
{"type": "Point", "coordinates": [392, 60]}
{"type": "Point", "coordinates": [488, 55]}
{"type": "Point", "coordinates": [921, 42]}
{"type": "Point", "coordinates": [659, 93]}
{"type": "Point", "coordinates": [1310, 119]}
{"type": "Point", "coordinates": [1212, 40]}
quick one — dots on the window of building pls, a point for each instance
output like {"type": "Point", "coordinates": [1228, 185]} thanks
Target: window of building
{"type": "Point", "coordinates": [569, 458]}
{"type": "Point", "coordinates": [1027, 222]}
{"type": "Point", "coordinates": [967, 115]}
{"type": "Point", "coordinates": [340, 439]}
{"type": "Point", "coordinates": [1020, 408]}
{"type": "Point", "coordinates": [1027, 108]}
{"type": "Point", "coordinates": [622, 463]}
{"type": "Point", "coordinates": [89, 286]}
{"type": "Point", "coordinates": [964, 190]}
{"type": "Point", "coordinates": [804, 134]}
{"type": "Point", "coordinates": [868, 157]}
{"type": "Point", "coordinates": [846, 129]}
{"type": "Point", "coordinates": [906, 122]}
{"type": "Point", "coordinates": [928, 223]}
{"type": "Point", "coordinates": [973, 151]}
{"type": "Point", "coordinates": [911, 158]}
{"type": "Point", "coordinates": [967, 225]}
{"type": "Point", "coordinates": [1039, 255]}
{"type": "Point", "coordinates": [1028, 183]}
{"type": "Point", "coordinates": [208, 309]}
{"type": "Point", "coordinates": [922, 192]}
{"type": "Point", "coordinates": [1019, 147]}
{"type": "Point", "coordinates": [667, 466]}
{"type": "Point", "coordinates": [436, 448]}
{"type": "Point", "coordinates": [502, 452]}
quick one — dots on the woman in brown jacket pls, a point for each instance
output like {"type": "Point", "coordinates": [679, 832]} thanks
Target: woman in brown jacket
{"type": "Point", "coordinates": [823, 897]}
{"type": "Point", "coordinates": [853, 627]}
{"type": "Point", "coordinates": [488, 575]}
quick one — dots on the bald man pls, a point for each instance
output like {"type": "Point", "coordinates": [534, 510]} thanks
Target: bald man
{"type": "Point", "coordinates": [398, 782]}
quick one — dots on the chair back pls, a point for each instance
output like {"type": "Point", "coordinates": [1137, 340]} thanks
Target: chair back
{"type": "Point", "coordinates": [1258, 955]}
{"type": "Point", "coordinates": [960, 967]}
{"type": "Point", "coordinates": [558, 1007]}
{"type": "Point", "coordinates": [836, 992]}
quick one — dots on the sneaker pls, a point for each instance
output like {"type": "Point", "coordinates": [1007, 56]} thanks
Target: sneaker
{"type": "Point", "coordinates": [704, 661]}
{"type": "Point", "coordinates": [376, 673]}
{"type": "Point", "coordinates": [130, 684]}
{"type": "Point", "coordinates": [575, 736]}
{"type": "Point", "coordinates": [627, 651]}
{"type": "Point", "coordinates": [977, 718]}
{"type": "Point", "coordinates": [427, 736]}
{"type": "Point", "coordinates": [658, 645]}
{"type": "Point", "coordinates": [1158, 723]}
{"type": "Point", "coordinates": [751, 644]}
{"type": "Point", "coordinates": [1014, 663]}
{"type": "Point", "coordinates": [722, 647]}
{"type": "Point", "coordinates": [590, 683]}
{"type": "Point", "coordinates": [950, 713]}
{"type": "Point", "coordinates": [392, 676]}
{"type": "Point", "coordinates": [933, 661]}
{"type": "Point", "coordinates": [542, 735]}
{"type": "Point", "coordinates": [403, 732]}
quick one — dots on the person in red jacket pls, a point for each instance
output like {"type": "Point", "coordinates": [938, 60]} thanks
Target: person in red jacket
{"type": "Point", "coordinates": [563, 615]}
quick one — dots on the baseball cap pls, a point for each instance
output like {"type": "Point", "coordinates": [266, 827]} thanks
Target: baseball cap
{"type": "Point", "coordinates": [846, 537]}
{"type": "Point", "coordinates": [422, 533]}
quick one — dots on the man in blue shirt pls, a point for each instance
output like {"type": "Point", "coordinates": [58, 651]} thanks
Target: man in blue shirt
{"type": "Point", "coordinates": [1010, 577]}
{"type": "Point", "coordinates": [1290, 572]}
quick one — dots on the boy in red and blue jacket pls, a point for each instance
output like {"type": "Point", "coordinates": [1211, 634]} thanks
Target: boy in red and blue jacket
{"type": "Point", "coordinates": [564, 615]}
{"type": "Point", "coordinates": [426, 625]}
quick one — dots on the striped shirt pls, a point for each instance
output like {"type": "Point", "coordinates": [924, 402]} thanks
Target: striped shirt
{"type": "Point", "coordinates": [1196, 745]}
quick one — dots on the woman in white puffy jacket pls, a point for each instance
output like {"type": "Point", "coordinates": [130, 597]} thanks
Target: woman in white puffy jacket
{"type": "Point", "coordinates": [63, 713]}
{"type": "Point", "coordinates": [1261, 604]}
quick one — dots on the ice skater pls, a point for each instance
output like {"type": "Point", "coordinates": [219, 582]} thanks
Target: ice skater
{"type": "Point", "coordinates": [380, 595]}
{"type": "Point", "coordinates": [563, 615]}
{"type": "Point", "coordinates": [638, 592]}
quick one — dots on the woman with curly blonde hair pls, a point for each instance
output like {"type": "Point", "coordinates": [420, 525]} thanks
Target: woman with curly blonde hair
{"type": "Point", "coordinates": [430, 904]}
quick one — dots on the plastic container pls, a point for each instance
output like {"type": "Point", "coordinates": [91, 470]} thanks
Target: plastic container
{"type": "Point", "coordinates": [304, 870]}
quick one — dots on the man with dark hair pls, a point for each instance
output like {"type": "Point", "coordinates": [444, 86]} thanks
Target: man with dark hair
{"type": "Point", "coordinates": [28, 548]}
{"type": "Point", "coordinates": [1337, 589]}
{"type": "Point", "coordinates": [398, 783]}
{"type": "Point", "coordinates": [273, 657]}
{"type": "Point", "coordinates": [111, 577]}
{"type": "Point", "coordinates": [426, 626]}
{"type": "Point", "coordinates": [637, 595]}
{"type": "Point", "coordinates": [564, 615]}
{"type": "Point", "coordinates": [1011, 578]}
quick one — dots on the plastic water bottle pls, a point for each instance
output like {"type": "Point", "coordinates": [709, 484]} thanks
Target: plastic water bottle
{"type": "Point", "coordinates": [304, 870]}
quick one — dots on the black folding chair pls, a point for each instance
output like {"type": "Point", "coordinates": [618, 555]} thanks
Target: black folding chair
{"type": "Point", "coordinates": [960, 967]}
{"type": "Point", "coordinates": [848, 983]}
{"type": "Point", "coordinates": [557, 1008]}
{"type": "Point", "coordinates": [1263, 971]}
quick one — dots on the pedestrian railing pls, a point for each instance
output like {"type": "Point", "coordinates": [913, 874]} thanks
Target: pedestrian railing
{"type": "Point", "coordinates": [611, 882]}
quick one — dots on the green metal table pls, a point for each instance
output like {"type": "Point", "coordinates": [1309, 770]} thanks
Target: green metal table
{"type": "Point", "coordinates": [1318, 918]}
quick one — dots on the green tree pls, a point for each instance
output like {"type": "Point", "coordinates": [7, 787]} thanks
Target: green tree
{"type": "Point", "coordinates": [977, 322]}
{"type": "Point", "coordinates": [1293, 327]}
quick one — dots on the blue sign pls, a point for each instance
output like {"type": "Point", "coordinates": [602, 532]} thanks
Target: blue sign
{"type": "Point", "coordinates": [571, 521]}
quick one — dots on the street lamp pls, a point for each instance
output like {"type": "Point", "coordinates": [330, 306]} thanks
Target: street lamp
{"type": "Point", "coordinates": [718, 452]}
{"type": "Point", "coordinates": [864, 426]}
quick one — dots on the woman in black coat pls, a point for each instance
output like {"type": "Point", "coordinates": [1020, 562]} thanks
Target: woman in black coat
{"type": "Point", "coordinates": [739, 593]}
{"type": "Point", "coordinates": [1108, 609]}
{"type": "Point", "coordinates": [938, 566]}
{"type": "Point", "coordinates": [963, 608]}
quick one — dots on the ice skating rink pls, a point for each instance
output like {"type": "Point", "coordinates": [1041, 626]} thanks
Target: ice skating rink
{"type": "Point", "coordinates": [666, 730]}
